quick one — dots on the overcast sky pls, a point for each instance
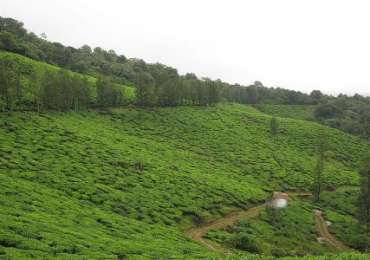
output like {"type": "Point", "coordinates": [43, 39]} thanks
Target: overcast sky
{"type": "Point", "coordinates": [296, 44]}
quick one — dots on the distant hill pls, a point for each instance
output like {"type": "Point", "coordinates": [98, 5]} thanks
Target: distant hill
{"type": "Point", "coordinates": [28, 68]}
{"type": "Point", "coordinates": [161, 85]}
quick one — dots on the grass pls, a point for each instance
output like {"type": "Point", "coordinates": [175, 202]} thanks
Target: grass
{"type": "Point", "coordinates": [290, 231]}
{"type": "Point", "coordinates": [341, 210]}
{"type": "Point", "coordinates": [126, 182]}
{"type": "Point", "coordinates": [301, 112]}
{"type": "Point", "coordinates": [27, 67]}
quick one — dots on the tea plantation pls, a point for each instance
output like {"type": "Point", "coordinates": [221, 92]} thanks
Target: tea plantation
{"type": "Point", "coordinates": [289, 231]}
{"type": "Point", "coordinates": [127, 182]}
{"type": "Point", "coordinates": [303, 112]}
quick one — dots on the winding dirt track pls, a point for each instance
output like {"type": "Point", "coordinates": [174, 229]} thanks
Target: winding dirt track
{"type": "Point", "coordinates": [322, 229]}
{"type": "Point", "coordinates": [198, 233]}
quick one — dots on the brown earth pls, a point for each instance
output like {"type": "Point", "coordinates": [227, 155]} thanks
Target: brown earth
{"type": "Point", "coordinates": [198, 233]}
{"type": "Point", "coordinates": [323, 231]}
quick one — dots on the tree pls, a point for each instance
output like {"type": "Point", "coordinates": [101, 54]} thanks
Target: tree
{"type": "Point", "coordinates": [274, 126]}
{"type": "Point", "coordinates": [9, 84]}
{"type": "Point", "coordinates": [49, 91]}
{"type": "Point", "coordinates": [321, 149]}
{"type": "Point", "coordinates": [214, 91]}
{"type": "Point", "coordinates": [364, 197]}
{"type": "Point", "coordinates": [325, 111]}
{"type": "Point", "coordinates": [316, 96]}
{"type": "Point", "coordinates": [252, 94]}
{"type": "Point", "coordinates": [81, 92]}
{"type": "Point", "coordinates": [65, 89]}
{"type": "Point", "coordinates": [145, 90]}
{"type": "Point", "coordinates": [8, 41]}
{"type": "Point", "coordinates": [36, 90]}
{"type": "Point", "coordinates": [258, 84]}
{"type": "Point", "coordinates": [105, 92]}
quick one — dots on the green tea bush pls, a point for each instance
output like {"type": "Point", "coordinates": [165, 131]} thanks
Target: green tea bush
{"type": "Point", "coordinates": [128, 181]}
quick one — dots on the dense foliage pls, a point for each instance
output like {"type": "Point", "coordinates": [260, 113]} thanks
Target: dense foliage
{"type": "Point", "coordinates": [290, 231]}
{"type": "Point", "coordinates": [351, 114]}
{"type": "Point", "coordinates": [364, 197]}
{"type": "Point", "coordinates": [157, 84]}
{"type": "Point", "coordinates": [341, 208]}
{"type": "Point", "coordinates": [30, 85]}
{"type": "Point", "coordinates": [161, 85]}
{"type": "Point", "coordinates": [125, 182]}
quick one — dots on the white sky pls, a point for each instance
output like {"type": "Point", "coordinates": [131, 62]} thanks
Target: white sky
{"type": "Point", "coordinates": [296, 44]}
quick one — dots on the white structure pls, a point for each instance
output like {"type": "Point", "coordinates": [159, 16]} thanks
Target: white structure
{"type": "Point", "coordinates": [279, 200]}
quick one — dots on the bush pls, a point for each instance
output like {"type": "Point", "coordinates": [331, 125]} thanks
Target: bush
{"type": "Point", "coordinates": [245, 242]}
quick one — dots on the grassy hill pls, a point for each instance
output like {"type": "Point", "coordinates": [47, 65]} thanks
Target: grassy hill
{"type": "Point", "coordinates": [127, 182]}
{"type": "Point", "coordinates": [303, 112]}
{"type": "Point", "coordinates": [27, 68]}
{"type": "Point", "coordinates": [285, 232]}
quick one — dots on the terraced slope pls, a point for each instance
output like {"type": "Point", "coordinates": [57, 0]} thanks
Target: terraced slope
{"type": "Point", "coordinates": [126, 183]}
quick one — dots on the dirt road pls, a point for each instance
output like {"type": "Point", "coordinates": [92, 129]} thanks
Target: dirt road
{"type": "Point", "coordinates": [198, 233]}
{"type": "Point", "coordinates": [322, 229]}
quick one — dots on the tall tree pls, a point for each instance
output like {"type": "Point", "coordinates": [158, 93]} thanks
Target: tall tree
{"type": "Point", "coordinates": [321, 149]}
{"type": "Point", "coordinates": [274, 126]}
{"type": "Point", "coordinates": [145, 90]}
{"type": "Point", "coordinates": [364, 197]}
{"type": "Point", "coordinates": [50, 95]}
{"type": "Point", "coordinates": [9, 83]}
{"type": "Point", "coordinates": [36, 90]}
{"type": "Point", "coordinates": [81, 92]}
{"type": "Point", "coordinates": [105, 92]}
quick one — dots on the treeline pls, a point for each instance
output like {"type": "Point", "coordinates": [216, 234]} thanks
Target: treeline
{"type": "Point", "coordinates": [350, 114]}
{"type": "Point", "coordinates": [156, 84]}
{"type": "Point", "coordinates": [54, 90]}
{"type": "Point", "coordinates": [161, 85]}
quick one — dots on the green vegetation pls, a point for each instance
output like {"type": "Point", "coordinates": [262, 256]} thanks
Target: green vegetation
{"type": "Point", "coordinates": [86, 175]}
{"type": "Point", "coordinates": [28, 84]}
{"type": "Point", "coordinates": [364, 197]}
{"type": "Point", "coordinates": [161, 85]}
{"type": "Point", "coordinates": [274, 126]}
{"type": "Point", "coordinates": [319, 168]}
{"type": "Point", "coordinates": [340, 207]}
{"type": "Point", "coordinates": [290, 231]}
{"type": "Point", "coordinates": [350, 114]}
{"type": "Point", "coordinates": [125, 182]}
{"type": "Point", "coordinates": [301, 112]}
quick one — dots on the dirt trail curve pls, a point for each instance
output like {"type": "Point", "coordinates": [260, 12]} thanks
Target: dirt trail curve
{"type": "Point", "coordinates": [323, 231]}
{"type": "Point", "coordinates": [197, 233]}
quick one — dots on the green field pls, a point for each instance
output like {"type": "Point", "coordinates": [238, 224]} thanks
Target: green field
{"type": "Point", "coordinates": [126, 182]}
{"type": "Point", "coordinates": [289, 231]}
{"type": "Point", "coordinates": [28, 68]}
{"type": "Point", "coordinates": [302, 112]}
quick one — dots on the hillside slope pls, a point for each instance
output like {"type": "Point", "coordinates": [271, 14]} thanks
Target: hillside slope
{"type": "Point", "coordinates": [125, 182]}
{"type": "Point", "coordinates": [28, 69]}
{"type": "Point", "coordinates": [302, 112]}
